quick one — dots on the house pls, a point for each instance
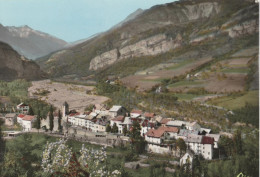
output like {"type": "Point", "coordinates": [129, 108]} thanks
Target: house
{"type": "Point", "coordinates": [201, 145]}
{"type": "Point", "coordinates": [164, 121]}
{"type": "Point", "coordinates": [20, 118]}
{"type": "Point", "coordinates": [205, 131]}
{"type": "Point", "coordinates": [145, 126]}
{"type": "Point", "coordinates": [127, 123]}
{"type": "Point", "coordinates": [176, 123]}
{"type": "Point", "coordinates": [193, 126]}
{"type": "Point", "coordinates": [118, 121]}
{"type": "Point", "coordinates": [27, 122]}
{"type": "Point", "coordinates": [187, 158]}
{"type": "Point", "coordinates": [149, 115]}
{"type": "Point", "coordinates": [216, 139]}
{"type": "Point", "coordinates": [136, 113]}
{"type": "Point", "coordinates": [117, 110]}
{"type": "Point", "coordinates": [157, 139]}
{"type": "Point", "coordinates": [10, 119]}
{"type": "Point", "coordinates": [100, 125]}
{"type": "Point", "coordinates": [183, 133]}
{"type": "Point", "coordinates": [23, 108]}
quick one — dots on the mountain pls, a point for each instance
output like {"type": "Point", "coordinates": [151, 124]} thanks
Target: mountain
{"type": "Point", "coordinates": [14, 66]}
{"type": "Point", "coordinates": [164, 42]}
{"type": "Point", "coordinates": [29, 42]}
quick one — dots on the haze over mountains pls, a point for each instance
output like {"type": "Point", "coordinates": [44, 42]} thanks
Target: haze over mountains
{"type": "Point", "coordinates": [14, 66]}
{"type": "Point", "coordinates": [29, 42]}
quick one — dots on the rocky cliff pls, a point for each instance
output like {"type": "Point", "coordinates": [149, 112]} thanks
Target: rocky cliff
{"type": "Point", "coordinates": [14, 66]}
{"type": "Point", "coordinates": [158, 30]}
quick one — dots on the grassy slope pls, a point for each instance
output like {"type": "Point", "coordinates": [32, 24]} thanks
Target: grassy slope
{"type": "Point", "coordinates": [234, 102]}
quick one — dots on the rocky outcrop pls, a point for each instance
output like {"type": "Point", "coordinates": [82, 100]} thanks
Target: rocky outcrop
{"type": "Point", "coordinates": [13, 66]}
{"type": "Point", "coordinates": [152, 46]}
{"type": "Point", "coordinates": [245, 28]}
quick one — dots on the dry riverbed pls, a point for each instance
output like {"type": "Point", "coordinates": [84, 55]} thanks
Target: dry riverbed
{"type": "Point", "coordinates": [56, 93]}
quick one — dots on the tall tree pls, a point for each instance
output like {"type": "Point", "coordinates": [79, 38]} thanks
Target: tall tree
{"type": "Point", "coordinates": [2, 144]}
{"type": "Point", "coordinates": [108, 128]}
{"type": "Point", "coordinates": [180, 143]}
{"type": "Point", "coordinates": [237, 139]}
{"type": "Point", "coordinates": [51, 118]}
{"type": "Point", "coordinates": [30, 111]}
{"type": "Point", "coordinates": [114, 128]}
{"type": "Point", "coordinates": [138, 142]}
{"type": "Point", "coordinates": [38, 121]}
{"type": "Point", "coordinates": [59, 122]}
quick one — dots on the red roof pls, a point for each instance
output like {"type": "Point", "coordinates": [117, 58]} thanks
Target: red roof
{"type": "Point", "coordinates": [160, 131]}
{"type": "Point", "coordinates": [74, 114]}
{"type": "Point", "coordinates": [21, 115]}
{"type": "Point", "coordinates": [119, 118]}
{"type": "Point", "coordinates": [164, 121]}
{"type": "Point", "coordinates": [134, 111]}
{"type": "Point", "coordinates": [155, 133]}
{"type": "Point", "coordinates": [28, 118]}
{"type": "Point", "coordinates": [207, 140]}
{"type": "Point", "coordinates": [169, 129]}
{"type": "Point", "coordinates": [149, 114]}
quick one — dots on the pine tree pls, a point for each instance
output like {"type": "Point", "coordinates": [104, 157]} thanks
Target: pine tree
{"type": "Point", "coordinates": [108, 128]}
{"type": "Point", "coordinates": [2, 144]}
{"type": "Point", "coordinates": [59, 122]}
{"type": "Point", "coordinates": [114, 128]}
{"type": "Point", "coordinates": [30, 111]}
{"type": "Point", "coordinates": [51, 118]}
{"type": "Point", "coordinates": [38, 121]}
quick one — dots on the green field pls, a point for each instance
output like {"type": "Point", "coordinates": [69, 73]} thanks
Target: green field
{"type": "Point", "coordinates": [236, 70]}
{"type": "Point", "coordinates": [235, 102]}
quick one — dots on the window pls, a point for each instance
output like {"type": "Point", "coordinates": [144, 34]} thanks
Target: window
{"type": "Point", "coordinates": [209, 153]}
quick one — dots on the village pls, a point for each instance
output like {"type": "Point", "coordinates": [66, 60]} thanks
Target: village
{"type": "Point", "coordinates": [111, 127]}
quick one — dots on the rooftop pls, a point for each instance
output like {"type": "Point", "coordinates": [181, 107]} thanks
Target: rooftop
{"type": "Point", "coordinates": [28, 118]}
{"type": "Point", "coordinates": [115, 108]}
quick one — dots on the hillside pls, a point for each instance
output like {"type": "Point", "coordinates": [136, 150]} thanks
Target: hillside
{"type": "Point", "coordinates": [165, 42]}
{"type": "Point", "coordinates": [14, 66]}
{"type": "Point", "coordinates": [29, 42]}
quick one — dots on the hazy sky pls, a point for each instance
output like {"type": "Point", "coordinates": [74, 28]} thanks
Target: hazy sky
{"type": "Point", "coordinates": [70, 20]}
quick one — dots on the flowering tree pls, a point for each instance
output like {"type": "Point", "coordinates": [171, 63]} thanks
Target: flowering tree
{"type": "Point", "coordinates": [58, 159]}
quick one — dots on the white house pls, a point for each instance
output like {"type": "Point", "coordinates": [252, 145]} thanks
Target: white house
{"type": "Point", "coordinates": [193, 126]}
{"type": "Point", "coordinates": [126, 123]}
{"type": "Point", "coordinates": [156, 139]}
{"type": "Point", "coordinates": [176, 123]}
{"type": "Point", "coordinates": [187, 159]}
{"type": "Point", "coordinates": [201, 145]}
{"type": "Point", "coordinates": [216, 139]}
{"type": "Point", "coordinates": [27, 122]}
{"type": "Point", "coordinates": [119, 123]}
{"type": "Point", "coordinates": [10, 119]}
{"type": "Point", "coordinates": [22, 108]}
{"type": "Point", "coordinates": [117, 110]}
{"type": "Point", "coordinates": [135, 113]}
{"type": "Point", "coordinates": [145, 126]}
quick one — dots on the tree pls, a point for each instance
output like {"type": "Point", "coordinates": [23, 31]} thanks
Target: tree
{"type": "Point", "coordinates": [237, 140]}
{"type": "Point", "coordinates": [38, 121]}
{"type": "Point", "coordinates": [114, 128]}
{"type": "Point", "coordinates": [125, 130]}
{"type": "Point", "coordinates": [30, 111]}
{"type": "Point", "coordinates": [180, 143]}
{"type": "Point", "coordinates": [51, 118]}
{"type": "Point", "coordinates": [59, 122]}
{"type": "Point", "coordinates": [108, 128]}
{"type": "Point", "coordinates": [2, 144]}
{"type": "Point", "coordinates": [137, 141]}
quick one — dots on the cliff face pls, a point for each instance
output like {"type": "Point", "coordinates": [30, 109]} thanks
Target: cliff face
{"type": "Point", "coordinates": [155, 31]}
{"type": "Point", "coordinates": [13, 66]}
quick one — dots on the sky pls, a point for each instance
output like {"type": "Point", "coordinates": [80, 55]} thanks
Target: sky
{"type": "Point", "coordinates": [70, 20]}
